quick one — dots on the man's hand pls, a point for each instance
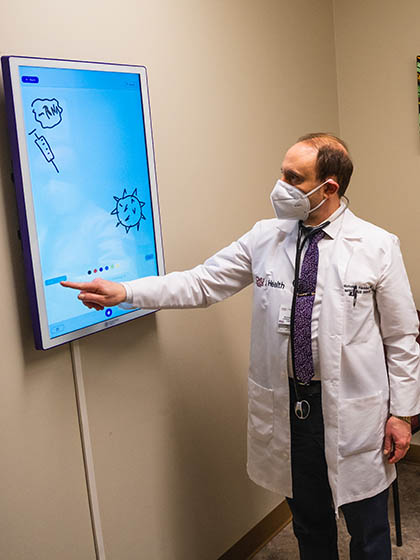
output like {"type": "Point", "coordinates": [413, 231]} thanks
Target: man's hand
{"type": "Point", "coordinates": [397, 439]}
{"type": "Point", "coordinates": [99, 293]}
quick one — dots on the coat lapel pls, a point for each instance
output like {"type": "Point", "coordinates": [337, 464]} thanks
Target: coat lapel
{"type": "Point", "coordinates": [331, 314]}
{"type": "Point", "coordinates": [347, 241]}
{"type": "Point", "coordinates": [288, 232]}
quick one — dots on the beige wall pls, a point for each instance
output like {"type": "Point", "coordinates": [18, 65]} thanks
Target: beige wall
{"type": "Point", "coordinates": [232, 84]}
{"type": "Point", "coordinates": [377, 43]}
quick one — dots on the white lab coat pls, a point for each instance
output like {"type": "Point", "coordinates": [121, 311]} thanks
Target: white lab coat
{"type": "Point", "coordinates": [361, 383]}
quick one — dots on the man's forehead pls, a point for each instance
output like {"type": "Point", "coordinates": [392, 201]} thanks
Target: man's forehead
{"type": "Point", "coordinates": [301, 157]}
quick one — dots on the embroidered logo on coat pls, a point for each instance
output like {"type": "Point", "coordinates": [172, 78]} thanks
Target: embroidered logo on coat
{"type": "Point", "coordinates": [262, 281]}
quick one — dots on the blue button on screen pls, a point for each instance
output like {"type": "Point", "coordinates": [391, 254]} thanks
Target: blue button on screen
{"type": "Point", "coordinates": [56, 280]}
{"type": "Point", "coordinates": [30, 79]}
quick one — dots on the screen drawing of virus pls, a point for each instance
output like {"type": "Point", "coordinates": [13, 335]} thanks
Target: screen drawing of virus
{"type": "Point", "coordinates": [129, 210]}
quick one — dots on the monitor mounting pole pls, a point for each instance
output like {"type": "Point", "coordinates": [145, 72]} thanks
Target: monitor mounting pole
{"type": "Point", "coordinates": [79, 388]}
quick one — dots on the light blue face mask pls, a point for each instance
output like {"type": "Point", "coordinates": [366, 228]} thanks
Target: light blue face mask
{"type": "Point", "coordinates": [290, 203]}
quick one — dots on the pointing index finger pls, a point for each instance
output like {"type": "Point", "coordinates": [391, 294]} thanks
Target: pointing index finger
{"type": "Point", "coordinates": [76, 285]}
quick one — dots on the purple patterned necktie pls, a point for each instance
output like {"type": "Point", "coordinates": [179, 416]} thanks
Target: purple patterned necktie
{"type": "Point", "coordinates": [302, 339]}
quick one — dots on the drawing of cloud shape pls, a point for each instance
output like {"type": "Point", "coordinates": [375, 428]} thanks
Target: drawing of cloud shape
{"type": "Point", "coordinates": [47, 112]}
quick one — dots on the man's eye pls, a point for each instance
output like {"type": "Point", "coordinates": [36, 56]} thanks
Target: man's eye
{"type": "Point", "coordinates": [291, 178]}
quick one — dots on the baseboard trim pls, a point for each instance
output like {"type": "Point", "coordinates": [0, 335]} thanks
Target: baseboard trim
{"type": "Point", "coordinates": [259, 535]}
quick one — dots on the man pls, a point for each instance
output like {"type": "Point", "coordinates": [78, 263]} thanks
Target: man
{"type": "Point", "coordinates": [334, 373]}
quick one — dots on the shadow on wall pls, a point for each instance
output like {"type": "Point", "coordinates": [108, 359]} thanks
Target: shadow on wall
{"type": "Point", "coordinates": [14, 254]}
{"type": "Point", "coordinates": [205, 474]}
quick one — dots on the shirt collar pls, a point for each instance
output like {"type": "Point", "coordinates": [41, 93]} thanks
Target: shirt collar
{"type": "Point", "coordinates": [335, 220]}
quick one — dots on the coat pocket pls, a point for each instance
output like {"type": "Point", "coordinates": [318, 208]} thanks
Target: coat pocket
{"type": "Point", "coordinates": [260, 411]}
{"type": "Point", "coordinates": [362, 424]}
{"type": "Point", "coordinates": [359, 313]}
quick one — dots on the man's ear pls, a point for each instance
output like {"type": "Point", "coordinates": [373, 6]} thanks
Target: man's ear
{"type": "Point", "coordinates": [331, 186]}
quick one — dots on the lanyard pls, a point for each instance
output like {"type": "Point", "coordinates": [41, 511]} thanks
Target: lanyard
{"type": "Point", "coordinates": [302, 407]}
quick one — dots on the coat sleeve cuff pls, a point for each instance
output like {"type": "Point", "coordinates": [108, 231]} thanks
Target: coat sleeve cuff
{"type": "Point", "coordinates": [128, 302]}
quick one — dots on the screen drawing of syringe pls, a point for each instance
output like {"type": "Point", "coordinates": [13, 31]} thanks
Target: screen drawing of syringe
{"type": "Point", "coordinates": [45, 148]}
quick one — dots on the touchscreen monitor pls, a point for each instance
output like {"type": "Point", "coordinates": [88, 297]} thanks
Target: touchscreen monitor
{"type": "Point", "coordinates": [85, 180]}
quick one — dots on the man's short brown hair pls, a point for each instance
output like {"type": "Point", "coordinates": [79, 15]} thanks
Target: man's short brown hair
{"type": "Point", "coordinates": [333, 158]}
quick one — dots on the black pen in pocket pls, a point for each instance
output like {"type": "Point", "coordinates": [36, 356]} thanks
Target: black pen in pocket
{"type": "Point", "coordinates": [354, 294]}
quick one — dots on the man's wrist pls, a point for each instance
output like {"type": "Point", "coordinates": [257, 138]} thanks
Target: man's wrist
{"type": "Point", "coordinates": [405, 418]}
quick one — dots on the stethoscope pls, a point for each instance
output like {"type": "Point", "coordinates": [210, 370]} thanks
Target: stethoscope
{"type": "Point", "coordinates": [302, 407]}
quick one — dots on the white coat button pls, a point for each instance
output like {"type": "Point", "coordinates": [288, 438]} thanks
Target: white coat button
{"type": "Point", "coordinates": [284, 455]}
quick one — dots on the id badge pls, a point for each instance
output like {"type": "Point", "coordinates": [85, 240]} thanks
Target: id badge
{"type": "Point", "coordinates": [283, 323]}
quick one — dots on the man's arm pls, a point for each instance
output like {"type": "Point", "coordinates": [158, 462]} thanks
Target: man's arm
{"type": "Point", "coordinates": [221, 276]}
{"type": "Point", "coordinates": [399, 328]}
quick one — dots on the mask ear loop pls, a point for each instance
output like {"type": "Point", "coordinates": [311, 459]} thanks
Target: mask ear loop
{"type": "Point", "coordinates": [322, 201]}
{"type": "Point", "coordinates": [317, 206]}
{"type": "Point", "coordinates": [314, 191]}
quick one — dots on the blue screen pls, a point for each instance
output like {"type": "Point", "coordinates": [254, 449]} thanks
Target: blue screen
{"type": "Point", "coordinates": [88, 166]}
